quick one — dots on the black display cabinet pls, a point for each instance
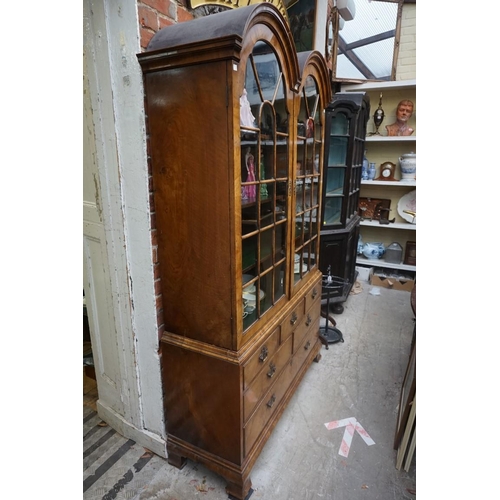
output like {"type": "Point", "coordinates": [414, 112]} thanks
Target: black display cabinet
{"type": "Point", "coordinates": [346, 119]}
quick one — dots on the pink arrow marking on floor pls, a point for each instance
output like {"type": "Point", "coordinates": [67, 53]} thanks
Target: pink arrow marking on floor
{"type": "Point", "coordinates": [351, 425]}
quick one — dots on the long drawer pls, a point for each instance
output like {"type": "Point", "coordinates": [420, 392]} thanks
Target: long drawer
{"type": "Point", "coordinates": [261, 357]}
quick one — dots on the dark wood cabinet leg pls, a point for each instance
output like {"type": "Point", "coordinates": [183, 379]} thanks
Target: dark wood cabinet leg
{"type": "Point", "coordinates": [238, 491]}
{"type": "Point", "coordinates": [318, 357]}
{"type": "Point", "coordinates": [176, 460]}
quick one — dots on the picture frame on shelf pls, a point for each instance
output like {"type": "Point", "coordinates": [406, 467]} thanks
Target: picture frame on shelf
{"type": "Point", "coordinates": [411, 253]}
{"type": "Point", "coordinates": [374, 208]}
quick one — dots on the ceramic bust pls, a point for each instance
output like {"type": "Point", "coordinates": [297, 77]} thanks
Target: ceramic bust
{"type": "Point", "coordinates": [403, 113]}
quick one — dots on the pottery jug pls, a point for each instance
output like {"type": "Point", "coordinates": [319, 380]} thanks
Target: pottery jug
{"type": "Point", "coordinates": [408, 165]}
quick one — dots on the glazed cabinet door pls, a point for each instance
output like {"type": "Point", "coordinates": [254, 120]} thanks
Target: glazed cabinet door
{"type": "Point", "coordinates": [265, 178]}
{"type": "Point", "coordinates": [310, 105]}
{"type": "Point", "coordinates": [339, 125]}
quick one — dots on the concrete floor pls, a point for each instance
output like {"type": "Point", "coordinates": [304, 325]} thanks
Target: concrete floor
{"type": "Point", "coordinates": [358, 378]}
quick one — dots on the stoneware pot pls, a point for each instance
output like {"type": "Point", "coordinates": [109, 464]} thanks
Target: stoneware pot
{"type": "Point", "coordinates": [408, 165]}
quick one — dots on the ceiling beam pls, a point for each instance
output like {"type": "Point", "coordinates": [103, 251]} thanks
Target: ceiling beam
{"type": "Point", "coordinates": [355, 61]}
{"type": "Point", "coordinates": [371, 39]}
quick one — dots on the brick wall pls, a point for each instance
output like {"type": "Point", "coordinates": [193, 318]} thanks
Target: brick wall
{"type": "Point", "coordinates": [156, 14]}
{"type": "Point", "coordinates": [406, 68]}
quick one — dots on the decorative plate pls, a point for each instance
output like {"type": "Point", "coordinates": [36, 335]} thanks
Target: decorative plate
{"type": "Point", "coordinates": [407, 207]}
{"type": "Point", "coordinates": [250, 297]}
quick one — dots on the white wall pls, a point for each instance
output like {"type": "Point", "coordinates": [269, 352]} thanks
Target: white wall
{"type": "Point", "coordinates": [118, 268]}
{"type": "Point", "coordinates": [407, 58]}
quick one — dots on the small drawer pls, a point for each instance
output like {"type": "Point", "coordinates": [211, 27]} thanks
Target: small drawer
{"type": "Point", "coordinates": [313, 295]}
{"type": "Point", "coordinates": [301, 331]}
{"type": "Point", "coordinates": [266, 378]}
{"type": "Point", "coordinates": [261, 357]}
{"type": "Point", "coordinates": [267, 407]}
{"type": "Point", "coordinates": [311, 318]}
{"type": "Point", "coordinates": [309, 343]}
{"type": "Point", "coordinates": [292, 320]}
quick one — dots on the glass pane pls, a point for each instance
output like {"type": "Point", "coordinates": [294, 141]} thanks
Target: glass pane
{"type": "Point", "coordinates": [333, 208]}
{"type": "Point", "coordinates": [299, 197]}
{"type": "Point", "coordinates": [266, 249]}
{"type": "Point", "coordinates": [337, 154]}
{"type": "Point", "coordinates": [299, 231]}
{"type": "Point", "coordinates": [266, 293]}
{"type": "Point", "coordinates": [249, 254]}
{"type": "Point", "coordinates": [335, 180]}
{"type": "Point", "coordinates": [279, 281]}
{"type": "Point", "coordinates": [339, 125]}
{"type": "Point", "coordinates": [282, 158]}
{"type": "Point", "coordinates": [281, 198]}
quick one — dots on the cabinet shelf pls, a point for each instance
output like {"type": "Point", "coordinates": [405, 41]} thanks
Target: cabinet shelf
{"type": "Point", "coordinates": [385, 138]}
{"type": "Point", "coordinates": [384, 264]}
{"type": "Point", "coordinates": [393, 225]}
{"type": "Point", "coordinates": [390, 183]}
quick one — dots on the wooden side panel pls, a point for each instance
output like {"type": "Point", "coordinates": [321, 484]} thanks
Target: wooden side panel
{"type": "Point", "coordinates": [203, 401]}
{"type": "Point", "coordinates": [192, 178]}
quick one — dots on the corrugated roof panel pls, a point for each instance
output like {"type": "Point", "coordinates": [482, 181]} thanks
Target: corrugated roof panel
{"type": "Point", "coordinates": [372, 18]}
{"type": "Point", "coordinates": [378, 57]}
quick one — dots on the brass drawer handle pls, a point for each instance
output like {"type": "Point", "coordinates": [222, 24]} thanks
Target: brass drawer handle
{"type": "Point", "coordinates": [294, 318]}
{"type": "Point", "coordinates": [272, 370]}
{"type": "Point", "coordinates": [271, 401]}
{"type": "Point", "coordinates": [308, 344]}
{"type": "Point", "coordinates": [315, 292]}
{"type": "Point", "coordinates": [263, 353]}
{"type": "Point", "coordinates": [309, 320]}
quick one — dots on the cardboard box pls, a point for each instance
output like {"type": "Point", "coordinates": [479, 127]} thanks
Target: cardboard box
{"type": "Point", "coordinates": [392, 282]}
{"type": "Point", "coordinates": [364, 273]}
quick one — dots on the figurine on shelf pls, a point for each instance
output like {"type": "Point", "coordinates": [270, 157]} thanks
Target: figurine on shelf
{"type": "Point", "coordinates": [250, 191]}
{"type": "Point", "coordinates": [378, 117]}
{"type": "Point", "coordinates": [403, 113]}
{"type": "Point", "coordinates": [310, 128]}
{"type": "Point", "coordinates": [246, 117]}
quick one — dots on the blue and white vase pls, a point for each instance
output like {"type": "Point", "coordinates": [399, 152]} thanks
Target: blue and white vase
{"type": "Point", "coordinates": [408, 166]}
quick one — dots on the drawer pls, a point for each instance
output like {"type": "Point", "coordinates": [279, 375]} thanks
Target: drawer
{"type": "Point", "coordinates": [266, 377]}
{"type": "Point", "coordinates": [267, 408]}
{"type": "Point", "coordinates": [313, 295]}
{"type": "Point", "coordinates": [311, 318]}
{"type": "Point", "coordinates": [292, 320]}
{"type": "Point", "coordinates": [261, 357]}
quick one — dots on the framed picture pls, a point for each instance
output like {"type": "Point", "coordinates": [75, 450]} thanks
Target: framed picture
{"type": "Point", "coordinates": [407, 396]}
{"type": "Point", "coordinates": [411, 253]}
{"type": "Point", "coordinates": [302, 19]}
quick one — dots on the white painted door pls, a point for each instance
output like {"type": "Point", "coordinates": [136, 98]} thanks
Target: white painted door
{"type": "Point", "coordinates": [96, 275]}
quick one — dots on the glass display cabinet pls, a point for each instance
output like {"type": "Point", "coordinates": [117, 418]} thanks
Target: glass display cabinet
{"type": "Point", "coordinates": [346, 120]}
{"type": "Point", "coordinates": [235, 123]}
